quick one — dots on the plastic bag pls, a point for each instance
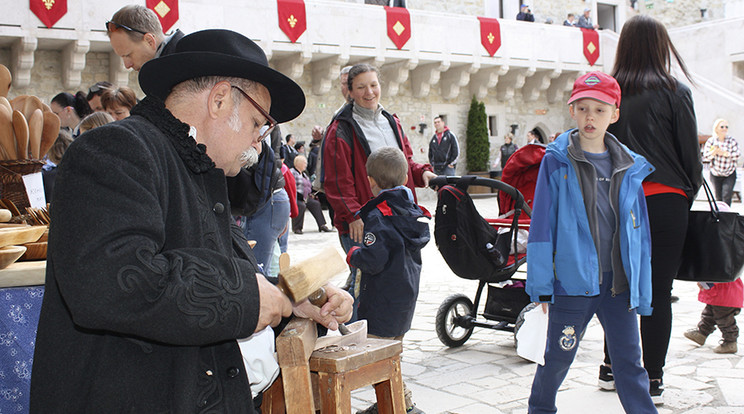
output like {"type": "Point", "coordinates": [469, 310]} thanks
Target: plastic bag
{"type": "Point", "coordinates": [533, 335]}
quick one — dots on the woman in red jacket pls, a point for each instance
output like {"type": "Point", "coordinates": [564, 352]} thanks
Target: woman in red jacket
{"type": "Point", "coordinates": [361, 127]}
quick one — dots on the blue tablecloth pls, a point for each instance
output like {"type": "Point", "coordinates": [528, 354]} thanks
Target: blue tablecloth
{"type": "Point", "coordinates": [19, 316]}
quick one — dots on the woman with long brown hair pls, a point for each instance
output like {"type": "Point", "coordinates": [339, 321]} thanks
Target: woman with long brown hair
{"type": "Point", "coordinates": [657, 120]}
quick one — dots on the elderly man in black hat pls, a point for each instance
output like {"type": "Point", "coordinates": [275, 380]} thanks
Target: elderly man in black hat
{"type": "Point", "coordinates": [149, 283]}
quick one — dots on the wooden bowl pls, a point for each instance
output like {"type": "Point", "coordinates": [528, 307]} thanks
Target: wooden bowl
{"type": "Point", "coordinates": [10, 254]}
{"type": "Point", "coordinates": [34, 251]}
{"type": "Point", "coordinates": [20, 235]}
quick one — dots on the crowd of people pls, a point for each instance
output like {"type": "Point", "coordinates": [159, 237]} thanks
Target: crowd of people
{"type": "Point", "coordinates": [585, 19]}
{"type": "Point", "coordinates": [167, 308]}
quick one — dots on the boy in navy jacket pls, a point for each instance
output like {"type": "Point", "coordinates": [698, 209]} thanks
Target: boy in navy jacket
{"type": "Point", "coordinates": [589, 249]}
{"type": "Point", "coordinates": [395, 231]}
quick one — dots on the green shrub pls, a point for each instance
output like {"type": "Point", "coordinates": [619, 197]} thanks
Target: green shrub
{"type": "Point", "coordinates": [476, 140]}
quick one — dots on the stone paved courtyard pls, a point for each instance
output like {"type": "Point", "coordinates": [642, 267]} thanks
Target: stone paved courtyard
{"type": "Point", "coordinates": [485, 375]}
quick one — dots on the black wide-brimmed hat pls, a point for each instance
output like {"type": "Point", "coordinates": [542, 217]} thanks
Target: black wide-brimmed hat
{"type": "Point", "coordinates": [222, 53]}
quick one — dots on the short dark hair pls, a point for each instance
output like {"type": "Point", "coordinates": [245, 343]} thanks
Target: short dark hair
{"type": "Point", "coordinates": [139, 18]}
{"type": "Point", "coordinates": [97, 89]}
{"type": "Point", "coordinates": [299, 144]}
{"type": "Point", "coordinates": [358, 69]}
{"type": "Point", "coordinates": [388, 167]}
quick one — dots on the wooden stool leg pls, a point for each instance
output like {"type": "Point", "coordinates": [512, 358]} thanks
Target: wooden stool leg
{"type": "Point", "coordinates": [390, 399]}
{"type": "Point", "coordinates": [273, 398]}
{"type": "Point", "coordinates": [334, 396]}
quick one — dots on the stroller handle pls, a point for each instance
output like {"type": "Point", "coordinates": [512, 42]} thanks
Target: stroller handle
{"type": "Point", "coordinates": [442, 180]}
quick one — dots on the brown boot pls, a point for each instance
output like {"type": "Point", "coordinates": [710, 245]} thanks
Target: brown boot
{"type": "Point", "coordinates": [696, 336]}
{"type": "Point", "coordinates": [726, 347]}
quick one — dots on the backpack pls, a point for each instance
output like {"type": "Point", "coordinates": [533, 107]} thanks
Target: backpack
{"type": "Point", "coordinates": [472, 248]}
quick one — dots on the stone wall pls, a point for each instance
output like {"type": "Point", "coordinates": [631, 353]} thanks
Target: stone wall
{"type": "Point", "coordinates": [549, 118]}
{"type": "Point", "coordinates": [468, 7]}
{"type": "Point", "coordinates": [679, 13]}
{"type": "Point", "coordinates": [46, 74]}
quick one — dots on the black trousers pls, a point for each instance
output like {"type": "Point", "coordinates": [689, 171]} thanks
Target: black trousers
{"type": "Point", "coordinates": [313, 206]}
{"type": "Point", "coordinates": [724, 317]}
{"type": "Point", "coordinates": [723, 187]}
{"type": "Point", "coordinates": [667, 214]}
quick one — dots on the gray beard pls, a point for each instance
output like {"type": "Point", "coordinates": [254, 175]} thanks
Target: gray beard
{"type": "Point", "coordinates": [249, 157]}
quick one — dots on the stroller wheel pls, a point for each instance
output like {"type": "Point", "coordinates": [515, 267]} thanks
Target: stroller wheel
{"type": "Point", "coordinates": [454, 320]}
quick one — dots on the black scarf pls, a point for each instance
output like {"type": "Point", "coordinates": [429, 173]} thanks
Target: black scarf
{"type": "Point", "coordinates": [194, 155]}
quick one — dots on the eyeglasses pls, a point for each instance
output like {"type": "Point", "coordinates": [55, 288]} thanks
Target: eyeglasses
{"type": "Point", "coordinates": [724, 126]}
{"type": "Point", "coordinates": [121, 26]}
{"type": "Point", "coordinates": [270, 122]}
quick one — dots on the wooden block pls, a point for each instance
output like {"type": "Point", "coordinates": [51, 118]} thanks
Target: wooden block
{"type": "Point", "coordinates": [294, 346]}
{"type": "Point", "coordinates": [296, 342]}
{"type": "Point", "coordinates": [304, 278]}
{"type": "Point", "coordinates": [23, 274]}
{"type": "Point", "coordinates": [347, 358]}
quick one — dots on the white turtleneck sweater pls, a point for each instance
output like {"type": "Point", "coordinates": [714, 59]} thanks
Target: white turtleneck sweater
{"type": "Point", "coordinates": [376, 128]}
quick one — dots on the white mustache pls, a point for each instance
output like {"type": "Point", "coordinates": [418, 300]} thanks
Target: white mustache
{"type": "Point", "coordinates": [249, 157]}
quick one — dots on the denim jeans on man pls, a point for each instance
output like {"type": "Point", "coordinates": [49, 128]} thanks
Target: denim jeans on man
{"type": "Point", "coordinates": [568, 317]}
{"type": "Point", "coordinates": [265, 225]}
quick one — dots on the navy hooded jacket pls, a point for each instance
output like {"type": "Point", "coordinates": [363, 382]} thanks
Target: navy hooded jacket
{"type": "Point", "coordinates": [395, 231]}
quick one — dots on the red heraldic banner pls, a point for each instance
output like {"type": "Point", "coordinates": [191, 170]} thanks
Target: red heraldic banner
{"type": "Point", "coordinates": [398, 25]}
{"type": "Point", "coordinates": [292, 19]}
{"type": "Point", "coordinates": [490, 34]}
{"type": "Point", "coordinates": [49, 11]}
{"type": "Point", "coordinates": [591, 45]}
{"type": "Point", "coordinates": [167, 11]}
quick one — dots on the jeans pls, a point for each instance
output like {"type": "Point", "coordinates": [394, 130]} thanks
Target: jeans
{"type": "Point", "coordinates": [444, 170]}
{"type": "Point", "coordinates": [724, 187]}
{"type": "Point", "coordinates": [265, 225]}
{"type": "Point", "coordinates": [569, 316]}
{"type": "Point", "coordinates": [355, 274]}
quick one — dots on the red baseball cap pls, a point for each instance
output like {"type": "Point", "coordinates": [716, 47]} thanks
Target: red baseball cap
{"type": "Point", "coordinates": [598, 86]}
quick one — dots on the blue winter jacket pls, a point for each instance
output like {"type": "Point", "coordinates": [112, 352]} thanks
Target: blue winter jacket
{"type": "Point", "coordinates": [562, 249]}
{"type": "Point", "coordinates": [395, 231]}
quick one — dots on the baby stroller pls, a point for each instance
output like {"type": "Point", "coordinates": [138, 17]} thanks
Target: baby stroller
{"type": "Point", "coordinates": [488, 250]}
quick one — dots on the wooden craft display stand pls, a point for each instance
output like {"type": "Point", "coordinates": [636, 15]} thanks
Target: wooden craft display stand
{"type": "Point", "coordinates": [323, 379]}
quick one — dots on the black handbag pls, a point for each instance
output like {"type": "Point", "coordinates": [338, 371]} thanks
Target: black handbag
{"type": "Point", "coordinates": [714, 246]}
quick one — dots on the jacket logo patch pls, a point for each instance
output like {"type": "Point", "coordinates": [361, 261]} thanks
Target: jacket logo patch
{"type": "Point", "coordinates": [369, 239]}
{"type": "Point", "coordinates": [568, 340]}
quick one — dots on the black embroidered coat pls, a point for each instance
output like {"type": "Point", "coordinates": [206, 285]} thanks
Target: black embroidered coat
{"type": "Point", "coordinates": [148, 282]}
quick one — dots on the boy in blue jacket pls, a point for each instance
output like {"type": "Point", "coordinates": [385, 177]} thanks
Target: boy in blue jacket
{"type": "Point", "coordinates": [589, 248]}
{"type": "Point", "coordinates": [395, 231]}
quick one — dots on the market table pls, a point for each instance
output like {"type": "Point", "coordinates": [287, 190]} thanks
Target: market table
{"type": "Point", "coordinates": [21, 293]}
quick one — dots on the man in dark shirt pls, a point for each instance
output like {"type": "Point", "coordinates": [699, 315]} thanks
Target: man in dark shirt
{"type": "Point", "coordinates": [525, 14]}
